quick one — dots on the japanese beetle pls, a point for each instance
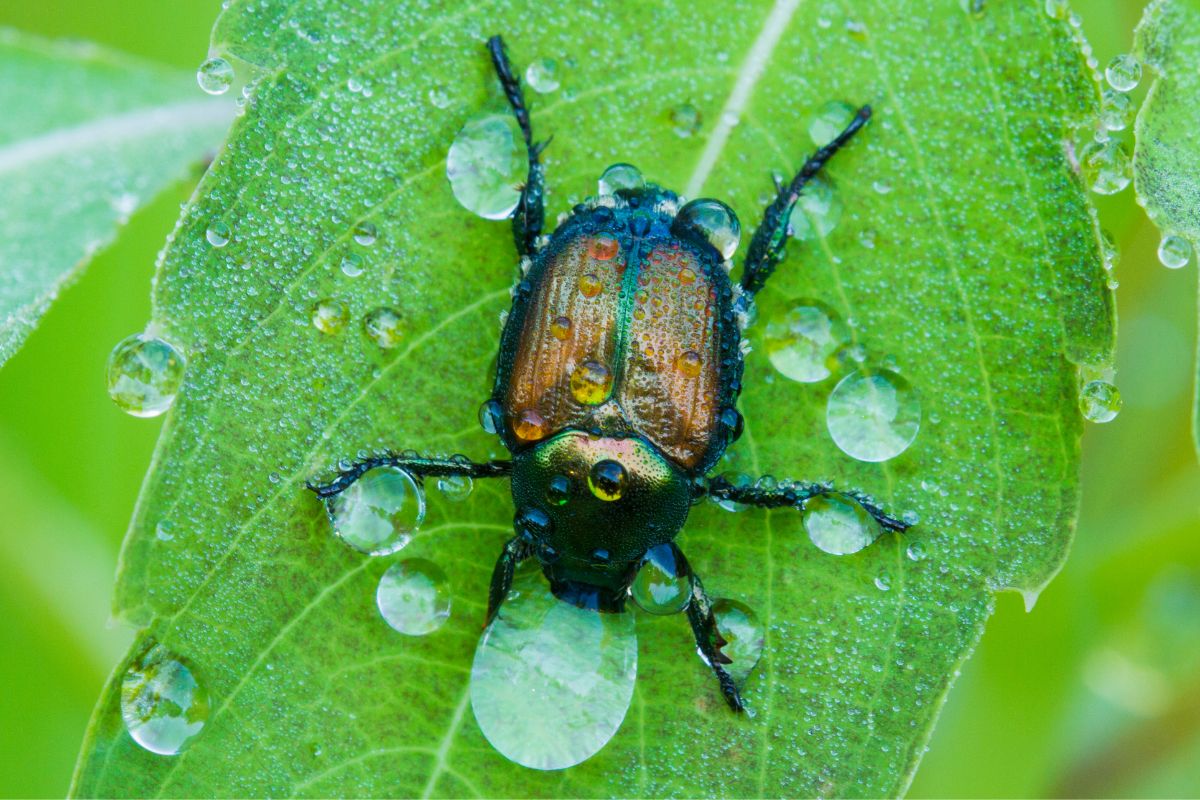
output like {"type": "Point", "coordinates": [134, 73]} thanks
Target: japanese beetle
{"type": "Point", "coordinates": [617, 383]}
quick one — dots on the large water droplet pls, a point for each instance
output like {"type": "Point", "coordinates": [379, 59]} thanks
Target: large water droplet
{"type": "Point", "coordinates": [830, 120]}
{"type": "Point", "coordinates": [215, 76]}
{"type": "Point", "coordinates": [144, 375]}
{"type": "Point", "coordinates": [659, 587]}
{"type": "Point", "coordinates": [162, 704]}
{"type": "Point", "coordinates": [619, 177]}
{"type": "Point", "coordinates": [1123, 73]}
{"type": "Point", "coordinates": [551, 683]}
{"type": "Point", "coordinates": [218, 234]}
{"type": "Point", "coordinates": [739, 626]}
{"type": "Point", "coordinates": [838, 524]}
{"type": "Point", "coordinates": [330, 316]}
{"type": "Point", "coordinates": [817, 212]}
{"type": "Point", "coordinates": [414, 597]}
{"type": "Point", "coordinates": [1174, 252]}
{"type": "Point", "coordinates": [486, 166]}
{"type": "Point", "coordinates": [802, 342]}
{"type": "Point", "coordinates": [542, 75]}
{"type": "Point", "coordinates": [1099, 401]}
{"type": "Point", "coordinates": [379, 512]}
{"type": "Point", "coordinates": [713, 221]}
{"type": "Point", "coordinates": [685, 120]}
{"type": "Point", "coordinates": [1105, 166]}
{"type": "Point", "coordinates": [873, 415]}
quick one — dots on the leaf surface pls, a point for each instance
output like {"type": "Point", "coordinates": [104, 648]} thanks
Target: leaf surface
{"type": "Point", "coordinates": [964, 250]}
{"type": "Point", "coordinates": [87, 138]}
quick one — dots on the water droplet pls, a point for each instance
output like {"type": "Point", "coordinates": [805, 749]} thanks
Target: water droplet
{"type": "Point", "coordinates": [379, 512]}
{"type": "Point", "coordinates": [659, 588]}
{"type": "Point", "coordinates": [975, 8]}
{"type": "Point", "coordinates": [164, 531]}
{"type": "Point", "coordinates": [603, 248]}
{"type": "Point", "coordinates": [491, 416]}
{"type": "Point", "coordinates": [330, 316]}
{"type": "Point", "coordinates": [542, 75]}
{"type": "Point", "coordinates": [689, 363]}
{"type": "Point", "coordinates": [560, 328]}
{"type": "Point", "coordinates": [873, 415]}
{"type": "Point", "coordinates": [1174, 252]}
{"type": "Point", "coordinates": [830, 120]}
{"type": "Point", "coordinates": [1115, 109]}
{"type": "Point", "coordinates": [218, 234]}
{"type": "Point", "coordinates": [1099, 401]}
{"type": "Point", "coordinates": [455, 488]}
{"type": "Point", "coordinates": [607, 480]}
{"type": "Point", "coordinates": [530, 426]}
{"type": "Point", "coordinates": [590, 285]}
{"type": "Point", "coordinates": [558, 491]}
{"type": "Point", "coordinates": [414, 597]}
{"type": "Point", "coordinates": [915, 552]}
{"type": "Point", "coordinates": [383, 326]}
{"type": "Point", "coordinates": [162, 704]}
{"type": "Point", "coordinates": [551, 683]}
{"type": "Point", "coordinates": [591, 383]}
{"type": "Point", "coordinates": [1123, 73]}
{"type": "Point", "coordinates": [803, 341]}
{"type": "Point", "coordinates": [883, 581]}
{"type": "Point", "coordinates": [838, 524]}
{"type": "Point", "coordinates": [881, 187]}
{"type": "Point", "coordinates": [686, 120]}
{"type": "Point", "coordinates": [713, 221]}
{"type": "Point", "coordinates": [817, 212]}
{"type": "Point", "coordinates": [739, 626]}
{"type": "Point", "coordinates": [737, 480]}
{"type": "Point", "coordinates": [352, 265]}
{"type": "Point", "coordinates": [620, 177]}
{"type": "Point", "coordinates": [144, 375]}
{"type": "Point", "coordinates": [1105, 166]}
{"type": "Point", "coordinates": [1057, 9]}
{"type": "Point", "coordinates": [486, 166]}
{"type": "Point", "coordinates": [439, 97]}
{"type": "Point", "coordinates": [215, 76]}
{"type": "Point", "coordinates": [365, 233]}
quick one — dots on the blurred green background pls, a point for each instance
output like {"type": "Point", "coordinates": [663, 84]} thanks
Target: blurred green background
{"type": "Point", "coordinates": [1094, 693]}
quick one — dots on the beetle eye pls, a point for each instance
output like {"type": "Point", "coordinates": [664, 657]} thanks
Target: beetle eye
{"type": "Point", "coordinates": [712, 221]}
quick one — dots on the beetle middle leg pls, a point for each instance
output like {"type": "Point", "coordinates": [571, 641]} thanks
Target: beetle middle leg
{"type": "Point", "coordinates": [515, 551]}
{"type": "Point", "coordinates": [418, 466]}
{"type": "Point", "coordinates": [767, 246]}
{"type": "Point", "coordinates": [530, 213]}
{"type": "Point", "coordinates": [795, 494]}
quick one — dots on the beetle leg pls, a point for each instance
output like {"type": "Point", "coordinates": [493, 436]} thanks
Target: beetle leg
{"type": "Point", "coordinates": [515, 551]}
{"type": "Point", "coordinates": [418, 466]}
{"type": "Point", "coordinates": [766, 248]}
{"type": "Point", "coordinates": [795, 495]}
{"type": "Point", "coordinates": [530, 213]}
{"type": "Point", "coordinates": [709, 641]}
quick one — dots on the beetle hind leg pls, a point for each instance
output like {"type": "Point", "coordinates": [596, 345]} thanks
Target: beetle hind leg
{"type": "Point", "coordinates": [709, 642]}
{"type": "Point", "coordinates": [530, 213]}
{"type": "Point", "coordinates": [796, 494]}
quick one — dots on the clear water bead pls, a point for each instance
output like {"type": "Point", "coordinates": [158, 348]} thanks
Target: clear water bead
{"type": "Point", "coordinates": [830, 120]}
{"type": "Point", "coordinates": [455, 488]}
{"type": "Point", "coordinates": [620, 177]}
{"type": "Point", "coordinates": [714, 221]}
{"type": "Point", "coordinates": [215, 76]}
{"type": "Point", "coordinates": [1099, 401]}
{"type": "Point", "coordinates": [162, 704]}
{"type": "Point", "coordinates": [1115, 109]}
{"type": "Point", "coordinates": [816, 213]}
{"type": "Point", "coordinates": [542, 75]}
{"type": "Point", "coordinates": [838, 524]}
{"type": "Point", "coordinates": [1123, 73]}
{"type": "Point", "coordinates": [1105, 166]}
{"type": "Point", "coordinates": [414, 597]}
{"type": "Point", "coordinates": [486, 166]}
{"type": "Point", "coordinates": [144, 375]}
{"type": "Point", "coordinates": [551, 683]}
{"type": "Point", "coordinates": [218, 234]}
{"type": "Point", "coordinates": [685, 120]}
{"type": "Point", "coordinates": [378, 513]}
{"type": "Point", "coordinates": [1174, 252]}
{"type": "Point", "coordinates": [873, 415]}
{"type": "Point", "coordinates": [330, 316]}
{"type": "Point", "coordinates": [384, 327]}
{"type": "Point", "coordinates": [744, 635]}
{"type": "Point", "coordinates": [658, 587]}
{"type": "Point", "coordinates": [802, 342]}
{"type": "Point", "coordinates": [365, 233]}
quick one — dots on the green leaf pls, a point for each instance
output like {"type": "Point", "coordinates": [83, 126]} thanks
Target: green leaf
{"type": "Point", "coordinates": [965, 250]}
{"type": "Point", "coordinates": [1166, 157]}
{"type": "Point", "coordinates": [89, 136]}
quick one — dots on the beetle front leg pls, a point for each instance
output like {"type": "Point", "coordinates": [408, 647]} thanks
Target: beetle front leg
{"type": "Point", "coordinates": [795, 495]}
{"type": "Point", "coordinates": [418, 466]}
{"type": "Point", "coordinates": [710, 642]}
{"type": "Point", "coordinates": [515, 551]}
{"type": "Point", "coordinates": [529, 215]}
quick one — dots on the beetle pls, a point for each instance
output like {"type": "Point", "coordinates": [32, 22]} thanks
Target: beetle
{"type": "Point", "coordinates": [616, 389]}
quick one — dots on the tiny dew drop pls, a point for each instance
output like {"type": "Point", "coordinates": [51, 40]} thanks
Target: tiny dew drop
{"type": "Point", "coordinates": [802, 342]}
{"type": "Point", "coordinates": [828, 121]}
{"type": "Point", "coordinates": [685, 120]}
{"type": "Point", "coordinates": [144, 375]}
{"type": "Point", "coordinates": [659, 587]}
{"type": "Point", "coordinates": [873, 415]}
{"type": "Point", "coordinates": [1115, 108]}
{"type": "Point", "coordinates": [383, 326]}
{"type": "Point", "coordinates": [414, 597]}
{"type": "Point", "coordinates": [1174, 252]}
{"type": "Point", "coordinates": [352, 265]}
{"type": "Point", "coordinates": [218, 234]}
{"type": "Point", "coordinates": [378, 513]}
{"type": "Point", "coordinates": [1099, 401]}
{"type": "Point", "coordinates": [743, 633]}
{"type": "Point", "coordinates": [365, 233]}
{"type": "Point", "coordinates": [542, 75]}
{"type": "Point", "coordinates": [438, 97]}
{"type": "Point", "coordinates": [1123, 73]}
{"type": "Point", "coordinates": [330, 316]}
{"type": "Point", "coordinates": [915, 552]}
{"type": "Point", "coordinates": [164, 531]}
{"type": "Point", "coordinates": [620, 177]}
{"type": "Point", "coordinates": [1105, 166]}
{"type": "Point", "coordinates": [215, 76]}
{"type": "Point", "coordinates": [738, 480]}
{"type": "Point", "coordinates": [975, 8]}
{"type": "Point", "coordinates": [1057, 9]}
{"type": "Point", "coordinates": [455, 488]}
{"type": "Point", "coordinates": [486, 166]}
{"type": "Point", "coordinates": [838, 524]}
{"type": "Point", "coordinates": [162, 704]}
{"type": "Point", "coordinates": [883, 581]}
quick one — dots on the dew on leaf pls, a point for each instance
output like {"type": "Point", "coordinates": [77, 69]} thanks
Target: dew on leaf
{"type": "Point", "coordinates": [1105, 166]}
{"type": "Point", "coordinates": [378, 513]}
{"type": "Point", "coordinates": [383, 326]}
{"type": "Point", "coordinates": [817, 212]}
{"type": "Point", "coordinates": [873, 415]}
{"type": "Point", "coordinates": [685, 120]}
{"type": "Point", "coordinates": [144, 375]}
{"type": "Point", "coordinates": [1123, 73]}
{"type": "Point", "coordinates": [803, 340]}
{"type": "Point", "coordinates": [365, 233]}
{"type": "Point", "coordinates": [551, 683]}
{"type": "Point", "coordinates": [215, 76]}
{"type": "Point", "coordinates": [838, 524]}
{"type": "Point", "coordinates": [1099, 401]}
{"type": "Point", "coordinates": [915, 552]}
{"type": "Point", "coordinates": [829, 120]}
{"type": "Point", "coordinates": [162, 704]}
{"type": "Point", "coordinates": [218, 234]}
{"type": "Point", "coordinates": [883, 581]}
{"type": "Point", "coordinates": [439, 97]}
{"type": "Point", "coordinates": [1057, 9]}
{"type": "Point", "coordinates": [743, 633]}
{"type": "Point", "coordinates": [330, 316]}
{"type": "Point", "coordinates": [1174, 252]}
{"type": "Point", "coordinates": [414, 597]}
{"type": "Point", "coordinates": [486, 166]}
{"type": "Point", "coordinates": [1115, 108]}
{"type": "Point", "coordinates": [352, 265]}
{"type": "Point", "coordinates": [658, 587]}
{"type": "Point", "coordinates": [542, 75]}
{"type": "Point", "coordinates": [620, 176]}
